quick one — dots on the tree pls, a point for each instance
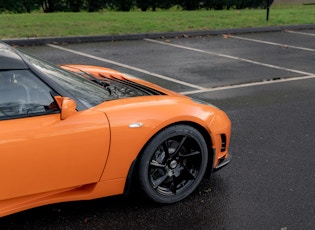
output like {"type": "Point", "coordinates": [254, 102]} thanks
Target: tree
{"type": "Point", "coordinates": [125, 5]}
{"type": "Point", "coordinates": [50, 6]}
{"type": "Point", "coordinates": [165, 4]}
{"type": "Point", "coordinates": [75, 5]}
{"type": "Point", "coordinates": [95, 5]}
{"type": "Point", "coordinates": [18, 6]}
{"type": "Point", "coordinates": [189, 4]}
{"type": "Point", "coordinates": [143, 4]}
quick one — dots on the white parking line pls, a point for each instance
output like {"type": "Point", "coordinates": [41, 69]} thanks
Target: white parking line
{"type": "Point", "coordinates": [199, 89]}
{"type": "Point", "coordinates": [308, 75]}
{"type": "Point", "coordinates": [128, 67]}
{"type": "Point", "coordinates": [248, 85]}
{"type": "Point", "coordinates": [230, 57]}
{"type": "Point", "coordinates": [272, 43]}
{"type": "Point", "coordinates": [302, 33]}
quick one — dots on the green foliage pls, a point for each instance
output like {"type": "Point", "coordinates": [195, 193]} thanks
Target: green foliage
{"type": "Point", "coordinates": [18, 6]}
{"type": "Point", "coordinates": [75, 5]}
{"type": "Point", "coordinates": [189, 4]}
{"type": "Point", "coordinates": [124, 5]}
{"type": "Point", "coordinates": [95, 5]}
{"type": "Point", "coordinates": [236, 4]}
{"type": "Point", "coordinates": [143, 4]}
{"type": "Point", "coordinates": [39, 24]}
{"type": "Point", "coordinates": [48, 6]}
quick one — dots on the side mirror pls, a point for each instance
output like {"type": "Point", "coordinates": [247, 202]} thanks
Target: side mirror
{"type": "Point", "coordinates": [66, 105]}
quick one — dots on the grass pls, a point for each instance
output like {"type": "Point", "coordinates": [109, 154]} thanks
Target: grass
{"type": "Point", "coordinates": [108, 22]}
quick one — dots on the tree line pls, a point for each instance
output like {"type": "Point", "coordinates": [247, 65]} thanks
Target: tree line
{"type": "Point", "coordinates": [22, 6]}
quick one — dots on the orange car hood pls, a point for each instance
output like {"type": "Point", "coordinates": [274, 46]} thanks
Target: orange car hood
{"type": "Point", "coordinates": [101, 72]}
{"type": "Point", "coordinates": [164, 105]}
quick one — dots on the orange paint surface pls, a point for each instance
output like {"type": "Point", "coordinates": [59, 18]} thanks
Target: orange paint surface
{"type": "Point", "coordinates": [87, 155]}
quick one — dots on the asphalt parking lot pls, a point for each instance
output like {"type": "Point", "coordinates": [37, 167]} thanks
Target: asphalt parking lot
{"type": "Point", "coordinates": [265, 83]}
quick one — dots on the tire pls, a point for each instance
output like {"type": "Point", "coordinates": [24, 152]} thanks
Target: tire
{"type": "Point", "coordinates": [173, 164]}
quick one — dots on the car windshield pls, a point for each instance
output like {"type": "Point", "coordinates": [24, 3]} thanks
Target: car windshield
{"type": "Point", "coordinates": [87, 92]}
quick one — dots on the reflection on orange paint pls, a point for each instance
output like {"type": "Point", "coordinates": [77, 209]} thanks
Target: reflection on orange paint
{"type": "Point", "coordinates": [88, 154]}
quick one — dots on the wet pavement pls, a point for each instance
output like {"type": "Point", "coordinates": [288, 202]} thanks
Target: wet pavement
{"type": "Point", "coordinates": [265, 83]}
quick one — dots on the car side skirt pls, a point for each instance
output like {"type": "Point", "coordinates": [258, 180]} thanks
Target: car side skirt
{"type": "Point", "coordinates": [84, 192]}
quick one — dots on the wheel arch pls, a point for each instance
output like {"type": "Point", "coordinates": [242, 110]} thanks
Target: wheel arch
{"type": "Point", "coordinates": [133, 170]}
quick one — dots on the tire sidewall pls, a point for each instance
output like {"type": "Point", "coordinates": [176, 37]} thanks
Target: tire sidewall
{"type": "Point", "coordinates": [150, 149]}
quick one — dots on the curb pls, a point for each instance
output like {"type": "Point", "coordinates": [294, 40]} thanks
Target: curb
{"type": "Point", "coordinates": [106, 38]}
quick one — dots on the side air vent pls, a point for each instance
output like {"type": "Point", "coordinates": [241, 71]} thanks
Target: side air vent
{"type": "Point", "coordinates": [223, 141]}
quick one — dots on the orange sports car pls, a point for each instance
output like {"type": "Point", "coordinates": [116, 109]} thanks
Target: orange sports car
{"type": "Point", "coordinates": [78, 132]}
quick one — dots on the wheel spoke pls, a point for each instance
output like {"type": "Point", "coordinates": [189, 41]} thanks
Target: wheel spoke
{"type": "Point", "coordinates": [165, 148]}
{"type": "Point", "coordinates": [194, 153]}
{"type": "Point", "coordinates": [180, 145]}
{"type": "Point", "coordinates": [187, 174]}
{"type": "Point", "coordinates": [174, 185]}
{"type": "Point", "coordinates": [159, 181]}
{"type": "Point", "coordinates": [157, 164]}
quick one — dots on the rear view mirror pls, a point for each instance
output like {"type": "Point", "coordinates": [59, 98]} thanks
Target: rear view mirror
{"type": "Point", "coordinates": [67, 106]}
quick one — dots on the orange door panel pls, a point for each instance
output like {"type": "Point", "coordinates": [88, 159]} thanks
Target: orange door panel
{"type": "Point", "coordinates": [44, 153]}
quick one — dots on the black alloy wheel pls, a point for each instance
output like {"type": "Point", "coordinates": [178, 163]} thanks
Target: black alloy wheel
{"type": "Point", "coordinates": [173, 164]}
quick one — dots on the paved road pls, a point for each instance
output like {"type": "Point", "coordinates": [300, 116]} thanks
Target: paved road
{"type": "Point", "coordinates": [265, 82]}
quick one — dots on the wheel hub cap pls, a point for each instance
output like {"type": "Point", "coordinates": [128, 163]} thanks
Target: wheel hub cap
{"type": "Point", "coordinates": [173, 164]}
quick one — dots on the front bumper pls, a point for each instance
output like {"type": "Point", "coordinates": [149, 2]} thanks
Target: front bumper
{"type": "Point", "coordinates": [222, 163]}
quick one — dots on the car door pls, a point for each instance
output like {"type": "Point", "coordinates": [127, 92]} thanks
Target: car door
{"type": "Point", "coordinates": [39, 152]}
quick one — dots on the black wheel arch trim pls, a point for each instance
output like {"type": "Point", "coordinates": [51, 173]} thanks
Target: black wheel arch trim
{"type": "Point", "coordinates": [130, 178]}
